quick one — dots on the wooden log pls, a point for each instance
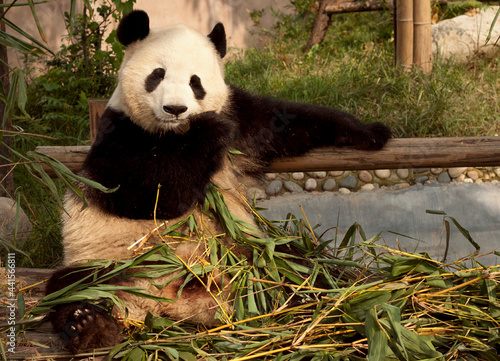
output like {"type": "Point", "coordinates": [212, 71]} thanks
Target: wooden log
{"type": "Point", "coordinates": [71, 156]}
{"type": "Point", "coordinates": [96, 108]}
{"type": "Point", "coordinates": [357, 6]}
{"type": "Point", "coordinates": [404, 34]}
{"type": "Point", "coordinates": [422, 37]}
{"type": "Point", "coordinates": [398, 153]}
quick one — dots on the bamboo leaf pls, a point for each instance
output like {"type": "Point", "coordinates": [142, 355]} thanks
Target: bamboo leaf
{"type": "Point", "coordinates": [377, 339]}
{"type": "Point", "coordinates": [37, 22]}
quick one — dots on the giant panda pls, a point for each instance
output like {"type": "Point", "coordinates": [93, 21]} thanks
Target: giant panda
{"type": "Point", "coordinates": [162, 140]}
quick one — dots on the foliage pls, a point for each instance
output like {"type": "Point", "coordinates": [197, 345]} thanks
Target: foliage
{"type": "Point", "coordinates": [353, 70]}
{"type": "Point", "coordinates": [306, 298]}
{"type": "Point", "coordinates": [85, 67]}
{"type": "Point", "coordinates": [55, 106]}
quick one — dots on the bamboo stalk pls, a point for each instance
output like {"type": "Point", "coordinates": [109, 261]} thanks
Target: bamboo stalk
{"type": "Point", "coordinates": [404, 41]}
{"type": "Point", "coordinates": [422, 40]}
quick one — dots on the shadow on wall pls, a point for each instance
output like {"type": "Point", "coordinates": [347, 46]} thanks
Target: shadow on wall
{"type": "Point", "coordinates": [402, 218]}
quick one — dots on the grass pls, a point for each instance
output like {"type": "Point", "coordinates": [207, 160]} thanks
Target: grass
{"type": "Point", "coordinates": [351, 70]}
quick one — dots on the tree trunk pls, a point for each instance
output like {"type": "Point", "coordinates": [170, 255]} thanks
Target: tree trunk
{"type": "Point", "coordinates": [6, 176]}
{"type": "Point", "coordinates": [320, 26]}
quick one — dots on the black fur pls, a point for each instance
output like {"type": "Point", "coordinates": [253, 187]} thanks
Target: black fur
{"type": "Point", "coordinates": [270, 128]}
{"type": "Point", "coordinates": [218, 37]}
{"type": "Point", "coordinates": [183, 164]}
{"type": "Point", "coordinates": [125, 155]}
{"type": "Point", "coordinates": [154, 79]}
{"type": "Point", "coordinates": [81, 325]}
{"type": "Point", "coordinates": [197, 87]}
{"type": "Point", "coordinates": [133, 27]}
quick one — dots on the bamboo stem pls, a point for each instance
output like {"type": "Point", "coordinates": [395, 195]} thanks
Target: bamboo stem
{"type": "Point", "coordinates": [404, 43]}
{"type": "Point", "coordinates": [422, 41]}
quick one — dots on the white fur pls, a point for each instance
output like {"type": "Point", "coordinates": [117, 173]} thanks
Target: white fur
{"type": "Point", "coordinates": [182, 52]}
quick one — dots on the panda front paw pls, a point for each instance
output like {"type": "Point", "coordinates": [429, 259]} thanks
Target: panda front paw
{"type": "Point", "coordinates": [373, 137]}
{"type": "Point", "coordinates": [86, 327]}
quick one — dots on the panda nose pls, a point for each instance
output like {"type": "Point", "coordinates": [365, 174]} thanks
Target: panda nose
{"type": "Point", "coordinates": [175, 109]}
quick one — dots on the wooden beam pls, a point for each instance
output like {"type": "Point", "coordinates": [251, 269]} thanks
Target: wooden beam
{"type": "Point", "coordinates": [398, 153]}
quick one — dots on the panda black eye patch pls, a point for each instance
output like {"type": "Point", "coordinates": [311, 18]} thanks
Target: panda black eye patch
{"type": "Point", "coordinates": [195, 84]}
{"type": "Point", "coordinates": [154, 79]}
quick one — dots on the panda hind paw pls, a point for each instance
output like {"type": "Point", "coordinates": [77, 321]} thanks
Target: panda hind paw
{"type": "Point", "coordinates": [89, 327]}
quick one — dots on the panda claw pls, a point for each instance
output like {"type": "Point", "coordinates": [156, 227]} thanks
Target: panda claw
{"type": "Point", "coordinates": [88, 327]}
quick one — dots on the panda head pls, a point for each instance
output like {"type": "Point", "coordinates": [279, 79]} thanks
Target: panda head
{"type": "Point", "coordinates": [169, 74]}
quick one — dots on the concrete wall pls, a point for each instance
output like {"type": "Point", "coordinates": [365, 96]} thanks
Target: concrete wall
{"type": "Point", "coordinates": [200, 14]}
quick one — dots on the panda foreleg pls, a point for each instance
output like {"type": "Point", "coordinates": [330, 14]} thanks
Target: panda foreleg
{"type": "Point", "coordinates": [271, 128]}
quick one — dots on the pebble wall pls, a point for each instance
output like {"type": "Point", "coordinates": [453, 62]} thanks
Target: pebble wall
{"type": "Point", "coordinates": [366, 180]}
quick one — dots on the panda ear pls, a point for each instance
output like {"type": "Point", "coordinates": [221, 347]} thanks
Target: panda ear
{"type": "Point", "coordinates": [218, 38]}
{"type": "Point", "coordinates": [133, 27]}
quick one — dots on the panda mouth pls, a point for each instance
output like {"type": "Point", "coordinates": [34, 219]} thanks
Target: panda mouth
{"type": "Point", "coordinates": [176, 125]}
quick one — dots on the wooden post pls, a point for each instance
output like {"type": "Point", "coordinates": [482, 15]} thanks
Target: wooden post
{"type": "Point", "coordinates": [422, 41]}
{"type": "Point", "coordinates": [96, 108]}
{"type": "Point", "coordinates": [404, 42]}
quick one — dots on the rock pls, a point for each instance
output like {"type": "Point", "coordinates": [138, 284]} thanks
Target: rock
{"type": "Point", "coordinates": [444, 178]}
{"type": "Point", "coordinates": [271, 176]}
{"type": "Point", "coordinates": [338, 173]}
{"type": "Point", "coordinates": [344, 190]}
{"type": "Point", "coordinates": [367, 187]}
{"type": "Point", "coordinates": [403, 185]}
{"type": "Point", "coordinates": [365, 176]}
{"type": "Point", "coordinates": [436, 171]}
{"type": "Point", "coordinates": [256, 193]}
{"type": "Point", "coordinates": [8, 221]}
{"type": "Point", "coordinates": [403, 173]}
{"type": "Point", "coordinates": [292, 187]}
{"type": "Point", "coordinates": [310, 184]}
{"type": "Point", "coordinates": [298, 175]}
{"type": "Point", "coordinates": [462, 37]}
{"type": "Point", "coordinates": [317, 174]}
{"type": "Point", "coordinates": [421, 179]}
{"type": "Point", "coordinates": [329, 185]}
{"type": "Point", "coordinates": [468, 180]}
{"type": "Point", "coordinates": [274, 187]}
{"type": "Point", "coordinates": [420, 170]}
{"type": "Point", "coordinates": [349, 182]}
{"type": "Point", "coordinates": [383, 173]}
{"type": "Point", "coordinates": [497, 172]}
{"type": "Point", "coordinates": [455, 172]}
{"type": "Point", "coordinates": [473, 174]}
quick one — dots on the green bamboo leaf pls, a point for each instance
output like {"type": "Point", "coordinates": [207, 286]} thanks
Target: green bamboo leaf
{"type": "Point", "coordinates": [26, 35]}
{"type": "Point", "coordinates": [20, 305]}
{"type": "Point", "coordinates": [377, 339]}
{"type": "Point", "coordinates": [37, 22]}
{"type": "Point", "coordinates": [495, 19]}
{"type": "Point", "coordinates": [136, 354]}
{"type": "Point", "coordinates": [465, 233]}
{"type": "Point", "coordinates": [22, 96]}
{"type": "Point", "coordinates": [394, 317]}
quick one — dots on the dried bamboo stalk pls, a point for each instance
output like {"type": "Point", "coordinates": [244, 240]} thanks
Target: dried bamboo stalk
{"type": "Point", "coordinates": [404, 41]}
{"type": "Point", "coordinates": [422, 40]}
